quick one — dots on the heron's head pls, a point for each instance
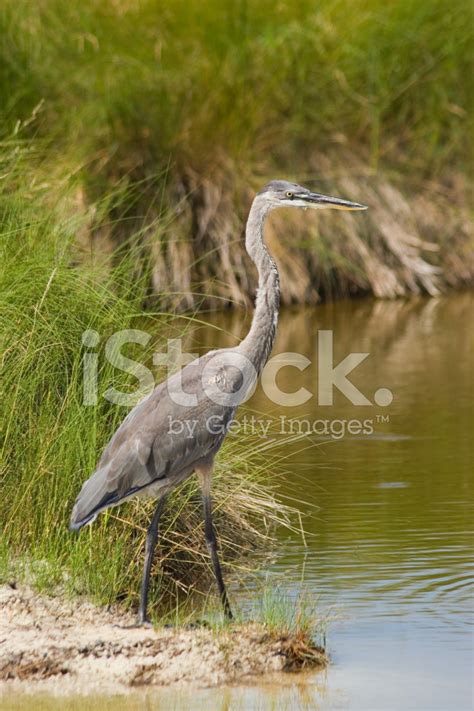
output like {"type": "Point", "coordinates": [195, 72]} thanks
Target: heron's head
{"type": "Point", "coordinates": [280, 193]}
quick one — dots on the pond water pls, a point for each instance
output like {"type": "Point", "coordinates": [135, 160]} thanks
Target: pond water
{"type": "Point", "coordinates": [389, 515]}
{"type": "Point", "coordinates": [390, 550]}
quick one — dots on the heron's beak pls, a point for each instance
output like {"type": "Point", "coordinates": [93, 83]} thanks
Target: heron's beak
{"type": "Point", "coordinates": [315, 200]}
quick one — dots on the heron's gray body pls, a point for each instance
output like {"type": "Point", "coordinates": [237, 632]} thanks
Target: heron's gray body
{"type": "Point", "coordinates": [147, 455]}
{"type": "Point", "coordinates": [166, 437]}
{"type": "Point", "coordinates": [160, 442]}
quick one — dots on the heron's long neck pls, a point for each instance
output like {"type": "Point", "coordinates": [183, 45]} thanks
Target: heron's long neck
{"type": "Point", "coordinates": [258, 343]}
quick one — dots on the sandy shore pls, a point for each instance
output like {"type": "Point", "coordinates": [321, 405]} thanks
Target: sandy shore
{"type": "Point", "coordinates": [62, 647]}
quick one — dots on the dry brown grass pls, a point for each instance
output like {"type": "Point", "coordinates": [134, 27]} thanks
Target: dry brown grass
{"type": "Point", "coordinates": [414, 239]}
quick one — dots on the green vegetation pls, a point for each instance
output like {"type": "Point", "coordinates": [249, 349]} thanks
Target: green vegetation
{"type": "Point", "coordinates": [143, 82]}
{"type": "Point", "coordinates": [198, 101]}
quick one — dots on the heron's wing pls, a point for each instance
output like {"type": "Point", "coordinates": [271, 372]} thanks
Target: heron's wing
{"type": "Point", "coordinates": [160, 438]}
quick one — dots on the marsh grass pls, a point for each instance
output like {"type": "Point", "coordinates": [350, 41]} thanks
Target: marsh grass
{"type": "Point", "coordinates": [369, 99]}
{"type": "Point", "coordinates": [239, 78]}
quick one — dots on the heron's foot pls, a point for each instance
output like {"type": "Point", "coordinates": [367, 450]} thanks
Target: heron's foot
{"type": "Point", "coordinates": [144, 621]}
{"type": "Point", "coordinates": [145, 624]}
{"type": "Point", "coordinates": [198, 624]}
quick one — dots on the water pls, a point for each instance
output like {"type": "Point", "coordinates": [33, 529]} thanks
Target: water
{"type": "Point", "coordinates": [390, 549]}
{"type": "Point", "coordinates": [389, 516]}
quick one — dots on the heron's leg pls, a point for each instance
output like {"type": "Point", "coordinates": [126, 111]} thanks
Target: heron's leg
{"type": "Point", "coordinates": [151, 538]}
{"type": "Point", "coordinates": [204, 475]}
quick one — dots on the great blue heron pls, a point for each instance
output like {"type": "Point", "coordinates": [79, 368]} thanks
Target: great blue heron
{"type": "Point", "coordinates": [145, 455]}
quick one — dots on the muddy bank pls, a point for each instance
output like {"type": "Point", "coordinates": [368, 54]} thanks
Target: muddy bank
{"type": "Point", "coordinates": [69, 647]}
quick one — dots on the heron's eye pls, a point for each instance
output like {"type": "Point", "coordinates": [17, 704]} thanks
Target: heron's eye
{"type": "Point", "coordinates": [289, 194]}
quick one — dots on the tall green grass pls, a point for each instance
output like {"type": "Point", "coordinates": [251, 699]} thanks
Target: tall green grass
{"type": "Point", "coordinates": [134, 83]}
{"type": "Point", "coordinates": [200, 102]}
